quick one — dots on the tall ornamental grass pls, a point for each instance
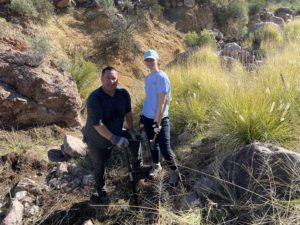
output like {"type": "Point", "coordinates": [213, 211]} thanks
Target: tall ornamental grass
{"type": "Point", "coordinates": [238, 106]}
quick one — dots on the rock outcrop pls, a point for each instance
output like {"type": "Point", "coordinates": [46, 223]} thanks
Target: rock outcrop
{"type": "Point", "coordinates": [34, 91]}
{"type": "Point", "coordinates": [253, 172]}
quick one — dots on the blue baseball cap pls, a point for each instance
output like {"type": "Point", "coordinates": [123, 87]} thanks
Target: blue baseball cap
{"type": "Point", "coordinates": [150, 54]}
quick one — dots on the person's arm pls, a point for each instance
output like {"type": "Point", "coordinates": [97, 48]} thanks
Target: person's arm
{"type": "Point", "coordinates": [162, 101]}
{"type": "Point", "coordinates": [103, 131]}
{"type": "Point", "coordinates": [129, 120]}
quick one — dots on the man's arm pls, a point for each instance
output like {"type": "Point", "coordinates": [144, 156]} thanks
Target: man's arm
{"type": "Point", "coordinates": [104, 131]}
{"type": "Point", "coordinates": [129, 120]}
{"type": "Point", "coordinates": [162, 101]}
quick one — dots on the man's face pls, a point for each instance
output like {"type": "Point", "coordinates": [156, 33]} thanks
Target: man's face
{"type": "Point", "coordinates": [150, 63]}
{"type": "Point", "coordinates": [109, 80]}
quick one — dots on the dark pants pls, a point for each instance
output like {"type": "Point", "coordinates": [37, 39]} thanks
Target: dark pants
{"type": "Point", "coordinates": [100, 156]}
{"type": "Point", "coordinates": [162, 143]}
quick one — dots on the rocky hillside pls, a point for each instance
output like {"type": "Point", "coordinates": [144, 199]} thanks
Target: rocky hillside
{"type": "Point", "coordinates": [229, 104]}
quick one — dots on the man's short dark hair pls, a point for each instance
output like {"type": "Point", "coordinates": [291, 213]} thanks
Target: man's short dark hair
{"type": "Point", "coordinates": [108, 68]}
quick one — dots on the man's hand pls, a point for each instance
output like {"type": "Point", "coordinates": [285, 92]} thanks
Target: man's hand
{"type": "Point", "coordinates": [119, 141]}
{"type": "Point", "coordinates": [156, 127]}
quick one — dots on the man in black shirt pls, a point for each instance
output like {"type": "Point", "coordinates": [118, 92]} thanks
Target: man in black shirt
{"type": "Point", "coordinates": [107, 107]}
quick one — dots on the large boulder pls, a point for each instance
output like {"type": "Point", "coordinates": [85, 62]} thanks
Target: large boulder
{"type": "Point", "coordinates": [284, 10]}
{"type": "Point", "coordinates": [34, 91]}
{"type": "Point", "coordinates": [254, 172]}
{"type": "Point", "coordinates": [74, 147]}
{"type": "Point", "coordinates": [15, 214]}
{"type": "Point", "coordinates": [231, 49]}
{"type": "Point", "coordinates": [62, 3]}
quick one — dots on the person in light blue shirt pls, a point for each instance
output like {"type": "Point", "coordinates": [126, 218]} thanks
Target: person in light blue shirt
{"type": "Point", "coordinates": [155, 116]}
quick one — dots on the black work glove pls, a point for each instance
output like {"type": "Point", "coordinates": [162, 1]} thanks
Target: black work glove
{"type": "Point", "coordinates": [156, 127]}
{"type": "Point", "coordinates": [119, 141]}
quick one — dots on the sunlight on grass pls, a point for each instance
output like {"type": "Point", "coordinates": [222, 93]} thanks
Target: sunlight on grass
{"type": "Point", "coordinates": [238, 106]}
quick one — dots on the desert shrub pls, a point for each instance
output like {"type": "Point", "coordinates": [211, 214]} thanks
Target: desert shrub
{"type": "Point", "coordinates": [64, 63]}
{"type": "Point", "coordinates": [43, 7]}
{"type": "Point", "coordinates": [23, 8]}
{"type": "Point", "coordinates": [32, 8]}
{"type": "Point", "coordinates": [85, 74]}
{"type": "Point", "coordinates": [4, 26]}
{"type": "Point", "coordinates": [42, 44]}
{"type": "Point", "coordinates": [292, 31]}
{"type": "Point", "coordinates": [154, 7]}
{"type": "Point", "coordinates": [227, 11]}
{"type": "Point", "coordinates": [255, 6]}
{"type": "Point", "coordinates": [269, 37]}
{"type": "Point", "coordinates": [207, 38]}
{"type": "Point", "coordinates": [107, 5]}
{"type": "Point", "coordinates": [117, 41]}
{"type": "Point", "coordinates": [191, 38]}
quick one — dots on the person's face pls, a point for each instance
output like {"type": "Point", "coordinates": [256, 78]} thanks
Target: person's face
{"type": "Point", "coordinates": [109, 80]}
{"type": "Point", "coordinates": [150, 63]}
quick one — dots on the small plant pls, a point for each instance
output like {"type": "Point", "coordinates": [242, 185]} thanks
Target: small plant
{"type": "Point", "coordinates": [191, 39]}
{"type": "Point", "coordinates": [269, 36]}
{"type": "Point", "coordinates": [43, 7]}
{"type": "Point", "coordinates": [207, 38]}
{"type": "Point", "coordinates": [292, 31]}
{"type": "Point", "coordinates": [107, 5]}
{"type": "Point", "coordinates": [230, 13]}
{"type": "Point", "coordinates": [255, 6]}
{"type": "Point", "coordinates": [85, 74]}
{"type": "Point", "coordinates": [24, 8]}
{"type": "Point", "coordinates": [41, 44]}
{"type": "Point", "coordinates": [4, 26]}
{"type": "Point", "coordinates": [32, 8]}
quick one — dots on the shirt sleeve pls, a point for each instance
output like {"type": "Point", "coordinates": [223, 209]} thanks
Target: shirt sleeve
{"type": "Point", "coordinates": [162, 85]}
{"type": "Point", "coordinates": [127, 101]}
{"type": "Point", "coordinates": [94, 110]}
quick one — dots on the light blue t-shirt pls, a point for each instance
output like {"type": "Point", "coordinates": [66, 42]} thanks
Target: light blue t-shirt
{"type": "Point", "coordinates": [155, 84]}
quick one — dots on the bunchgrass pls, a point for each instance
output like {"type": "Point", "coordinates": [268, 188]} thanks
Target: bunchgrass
{"type": "Point", "coordinates": [236, 105]}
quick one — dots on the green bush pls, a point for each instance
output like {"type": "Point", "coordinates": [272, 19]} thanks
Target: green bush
{"type": "Point", "coordinates": [269, 36]}
{"type": "Point", "coordinates": [23, 8]}
{"type": "Point", "coordinates": [118, 41]}
{"type": "Point", "coordinates": [191, 39]}
{"type": "Point", "coordinates": [85, 74]}
{"type": "Point", "coordinates": [43, 7]}
{"type": "Point", "coordinates": [292, 31]}
{"type": "Point", "coordinates": [225, 12]}
{"type": "Point", "coordinates": [255, 6]}
{"type": "Point", "coordinates": [107, 5]}
{"type": "Point", "coordinates": [207, 38]}
{"type": "Point", "coordinates": [42, 44]}
{"type": "Point", "coordinates": [32, 8]}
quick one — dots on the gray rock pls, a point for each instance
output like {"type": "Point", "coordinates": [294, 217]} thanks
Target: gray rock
{"type": "Point", "coordinates": [231, 49]}
{"type": "Point", "coordinates": [189, 3]}
{"type": "Point", "coordinates": [34, 210]}
{"type": "Point", "coordinates": [28, 185]}
{"type": "Point", "coordinates": [190, 201]}
{"type": "Point", "coordinates": [21, 195]}
{"type": "Point", "coordinates": [74, 147]}
{"type": "Point", "coordinates": [252, 173]}
{"type": "Point", "coordinates": [185, 136]}
{"type": "Point", "coordinates": [87, 179]}
{"type": "Point", "coordinates": [88, 222]}
{"type": "Point", "coordinates": [62, 169]}
{"type": "Point", "coordinates": [15, 214]}
{"type": "Point", "coordinates": [62, 3]}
